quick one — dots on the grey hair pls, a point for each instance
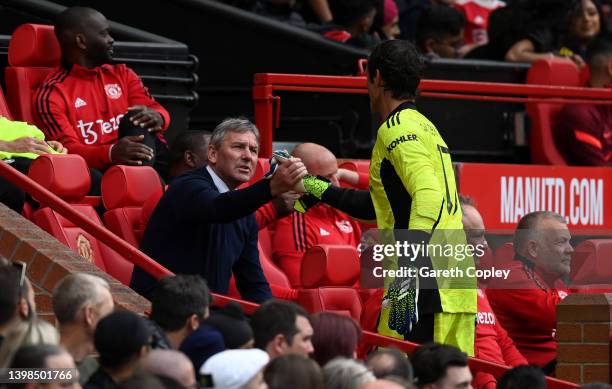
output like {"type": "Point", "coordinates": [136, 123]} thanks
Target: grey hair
{"type": "Point", "coordinates": [527, 227]}
{"type": "Point", "coordinates": [346, 373]}
{"type": "Point", "coordinates": [240, 125]}
{"type": "Point", "coordinates": [73, 292]}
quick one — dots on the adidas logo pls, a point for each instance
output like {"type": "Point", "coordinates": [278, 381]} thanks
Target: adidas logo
{"type": "Point", "coordinates": [324, 232]}
{"type": "Point", "coordinates": [79, 102]}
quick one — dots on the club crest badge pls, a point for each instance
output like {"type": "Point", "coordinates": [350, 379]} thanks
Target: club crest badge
{"type": "Point", "coordinates": [113, 91]}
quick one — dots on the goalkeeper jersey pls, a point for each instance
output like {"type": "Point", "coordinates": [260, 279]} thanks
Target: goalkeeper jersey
{"type": "Point", "coordinates": [412, 186]}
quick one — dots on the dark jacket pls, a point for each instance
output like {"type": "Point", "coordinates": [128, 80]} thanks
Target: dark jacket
{"type": "Point", "coordinates": [197, 230]}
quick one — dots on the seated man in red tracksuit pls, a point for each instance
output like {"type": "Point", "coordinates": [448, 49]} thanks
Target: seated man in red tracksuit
{"type": "Point", "coordinates": [321, 224]}
{"type": "Point", "coordinates": [492, 342]}
{"type": "Point", "coordinates": [526, 303]}
{"type": "Point", "coordinates": [87, 102]}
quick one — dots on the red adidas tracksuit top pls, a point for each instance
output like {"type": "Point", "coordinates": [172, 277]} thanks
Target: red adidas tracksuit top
{"type": "Point", "coordinates": [82, 108]}
{"type": "Point", "coordinates": [492, 343]}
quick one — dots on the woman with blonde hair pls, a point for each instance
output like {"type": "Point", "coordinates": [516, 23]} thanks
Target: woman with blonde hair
{"type": "Point", "coordinates": [26, 333]}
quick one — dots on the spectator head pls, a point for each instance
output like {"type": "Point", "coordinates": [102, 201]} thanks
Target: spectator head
{"type": "Point", "coordinates": [345, 373]}
{"type": "Point", "coordinates": [122, 339]}
{"type": "Point", "coordinates": [84, 37]}
{"type": "Point", "coordinates": [145, 381]}
{"type": "Point", "coordinates": [180, 303]}
{"type": "Point", "coordinates": [294, 372]}
{"type": "Point", "coordinates": [440, 31]}
{"type": "Point", "coordinates": [169, 363]}
{"type": "Point", "coordinates": [334, 336]}
{"type": "Point", "coordinates": [543, 238]}
{"type": "Point", "coordinates": [585, 20]}
{"type": "Point", "coordinates": [17, 297]}
{"type": "Point", "coordinates": [26, 333]}
{"type": "Point", "coordinates": [394, 70]}
{"type": "Point", "coordinates": [389, 383]}
{"type": "Point", "coordinates": [234, 327]}
{"type": "Point", "coordinates": [357, 16]}
{"type": "Point", "coordinates": [599, 59]}
{"type": "Point", "coordinates": [390, 362]}
{"type": "Point", "coordinates": [233, 149]}
{"type": "Point", "coordinates": [472, 223]}
{"type": "Point", "coordinates": [46, 356]}
{"type": "Point", "coordinates": [441, 366]}
{"type": "Point", "coordinates": [390, 27]}
{"type": "Point", "coordinates": [282, 327]}
{"type": "Point", "coordinates": [318, 160]}
{"type": "Point", "coordinates": [235, 369]}
{"type": "Point", "coordinates": [520, 377]}
{"type": "Point", "coordinates": [189, 151]}
{"type": "Point", "coordinates": [80, 301]}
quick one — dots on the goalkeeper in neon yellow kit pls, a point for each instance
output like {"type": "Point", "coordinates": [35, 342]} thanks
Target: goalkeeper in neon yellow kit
{"type": "Point", "coordinates": [412, 187]}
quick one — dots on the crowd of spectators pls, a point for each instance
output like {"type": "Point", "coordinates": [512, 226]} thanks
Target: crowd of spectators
{"type": "Point", "coordinates": [182, 344]}
{"type": "Point", "coordinates": [512, 30]}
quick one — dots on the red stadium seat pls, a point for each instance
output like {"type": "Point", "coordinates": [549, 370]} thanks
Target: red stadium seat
{"type": "Point", "coordinates": [67, 176]}
{"type": "Point", "coordinates": [4, 109]}
{"type": "Point", "coordinates": [279, 283]}
{"type": "Point", "coordinates": [328, 275]}
{"type": "Point", "coordinates": [33, 53]}
{"type": "Point", "coordinates": [591, 262]}
{"type": "Point", "coordinates": [124, 192]}
{"type": "Point", "coordinates": [361, 166]}
{"type": "Point", "coordinates": [503, 255]}
{"type": "Point", "coordinates": [548, 72]}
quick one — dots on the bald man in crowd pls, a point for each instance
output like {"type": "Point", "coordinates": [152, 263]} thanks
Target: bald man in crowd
{"type": "Point", "coordinates": [171, 364]}
{"type": "Point", "coordinates": [321, 224]}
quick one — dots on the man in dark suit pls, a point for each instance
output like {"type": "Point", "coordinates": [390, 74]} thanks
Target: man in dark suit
{"type": "Point", "coordinates": [203, 225]}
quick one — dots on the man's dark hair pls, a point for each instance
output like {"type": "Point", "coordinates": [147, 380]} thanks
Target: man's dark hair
{"type": "Point", "coordinates": [11, 292]}
{"type": "Point", "coordinates": [599, 51]}
{"type": "Point", "coordinates": [438, 22]}
{"type": "Point", "coordinates": [520, 377]}
{"type": "Point", "coordinates": [275, 317]}
{"type": "Point", "coordinates": [400, 66]}
{"type": "Point", "coordinates": [431, 361]}
{"type": "Point", "coordinates": [177, 298]}
{"type": "Point", "coordinates": [186, 141]}
{"type": "Point", "coordinates": [348, 12]}
{"type": "Point", "coordinates": [400, 367]}
{"type": "Point", "coordinates": [71, 20]}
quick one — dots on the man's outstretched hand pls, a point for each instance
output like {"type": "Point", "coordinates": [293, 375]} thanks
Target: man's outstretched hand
{"type": "Point", "coordinates": [287, 176]}
{"type": "Point", "coordinates": [146, 117]}
{"type": "Point", "coordinates": [130, 151]}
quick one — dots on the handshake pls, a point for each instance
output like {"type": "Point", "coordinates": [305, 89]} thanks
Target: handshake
{"type": "Point", "coordinates": [289, 174]}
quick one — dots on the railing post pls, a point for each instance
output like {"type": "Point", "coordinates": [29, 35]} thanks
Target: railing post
{"type": "Point", "coordinates": [263, 101]}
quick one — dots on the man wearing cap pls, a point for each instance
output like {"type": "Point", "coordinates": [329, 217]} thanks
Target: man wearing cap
{"type": "Point", "coordinates": [235, 369]}
{"type": "Point", "coordinates": [121, 339]}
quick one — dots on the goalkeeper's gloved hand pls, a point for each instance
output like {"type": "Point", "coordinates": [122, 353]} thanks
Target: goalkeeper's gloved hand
{"type": "Point", "coordinates": [304, 203]}
{"type": "Point", "coordinates": [315, 186]}
{"type": "Point", "coordinates": [402, 299]}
